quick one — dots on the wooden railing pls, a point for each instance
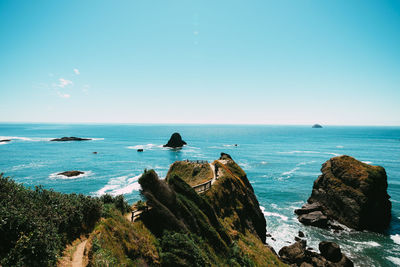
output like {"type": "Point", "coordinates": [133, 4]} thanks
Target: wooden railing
{"type": "Point", "coordinates": [200, 188]}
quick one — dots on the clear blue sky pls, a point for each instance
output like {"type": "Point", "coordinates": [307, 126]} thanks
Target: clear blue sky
{"type": "Point", "coordinates": [257, 62]}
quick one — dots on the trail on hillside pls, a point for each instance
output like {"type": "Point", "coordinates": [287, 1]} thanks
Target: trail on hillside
{"type": "Point", "coordinates": [77, 257]}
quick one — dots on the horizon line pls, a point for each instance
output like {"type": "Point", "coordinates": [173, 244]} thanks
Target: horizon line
{"type": "Point", "coordinates": [188, 123]}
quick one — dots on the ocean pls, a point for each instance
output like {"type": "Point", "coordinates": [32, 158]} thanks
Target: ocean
{"type": "Point", "coordinates": [281, 163]}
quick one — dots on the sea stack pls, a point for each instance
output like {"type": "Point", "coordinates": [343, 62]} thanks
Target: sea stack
{"type": "Point", "coordinates": [352, 193]}
{"type": "Point", "coordinates": [317, 126]}
{"type": "Point", "coordinates": [175, 141]}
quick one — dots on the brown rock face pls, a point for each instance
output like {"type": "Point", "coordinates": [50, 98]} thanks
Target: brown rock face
{"type": "Point", "coordinates": [353, 193]}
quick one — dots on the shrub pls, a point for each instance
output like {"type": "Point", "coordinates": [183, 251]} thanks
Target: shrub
{"type": "Point", "coordinates": [35, 225]}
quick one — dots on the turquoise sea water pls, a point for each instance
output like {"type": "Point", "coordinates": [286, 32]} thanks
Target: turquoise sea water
{"type": "Point", "coordinates": [281, 162]}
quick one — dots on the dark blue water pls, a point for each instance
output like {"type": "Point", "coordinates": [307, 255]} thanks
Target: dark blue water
{"type": "Point", "coordinates": [281, 162]}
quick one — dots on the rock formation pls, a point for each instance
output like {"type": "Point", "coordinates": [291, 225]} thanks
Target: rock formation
{"type": "Point", "coordinates": [330, 255]}
{"type": "Point", "coordinates": [175, 141]}
{"type": "Point", "coordinates": [225, 221]}
{"type": "Point", "coordinates": [5, 140]}
{"type": "Point", "coordinates": [72, 138]}
{"type": "Point", "coordinates": [350, 192]}
{"type": "Point", "coordinates": [71, 173]}
{"type": "Point", "coordinates": [317, 126]}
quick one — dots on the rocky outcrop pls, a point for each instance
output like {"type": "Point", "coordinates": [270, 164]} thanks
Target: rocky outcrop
{"type": "Point", "coordinates": [175, 141]}
{"type": "Point", "coordinates": [330, 255]}
{"type": "Point", "coordinates": [72, 138]}
{"type": "Point", "coordinates": [317, 126]}
{"type": "Point", "coordinates": [5, 140]}
{"type": "Point", "coordinates": [225, 222]}
{"type": "Point", "coordinates": [350, 192]}
{"type": "Point", "coordinates": [71, 173]}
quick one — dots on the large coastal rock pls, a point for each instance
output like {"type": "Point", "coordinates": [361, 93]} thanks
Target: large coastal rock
{"type": "Point", "coordinates": [297, 254]}
{"type": "Point", "coordinates": [352, 193]}
{"type": "Point", "coordinates": [175, 141]}
{"type": "Point", "coordinates": [72, 138]}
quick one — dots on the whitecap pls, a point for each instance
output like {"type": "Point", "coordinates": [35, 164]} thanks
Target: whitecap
{"type": "Point", "coordinates": [97, 139]}
{"type": "Point", "coordinates": [120, 185]}
{"type": "Point", "coordinates": [56, 175]}
{"type": "Point", "coordinates": [367, 162]}
{"type": "Point", "coordinates": [145, 147]}
{"type": "Point", "coordinates": [307, 152]}
{"type": "Point", "coordinates": [339, 146]}
{"type": "Point", "coordinates": [289, 173]}
{"type": "Point", "coordinates": [32, 165]}
{"type": "Point", "coordinates": [263, 163]}
{"type": "Point", "coordinates": [394, 260]}
{"type": "Point", "coordinates": [367, 243]}
{"type": "Point", "coordinates": [273, 214]}
{"type": "Point", "coordinates": [396, 238]}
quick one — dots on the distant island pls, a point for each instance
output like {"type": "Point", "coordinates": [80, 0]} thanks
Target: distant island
{"type": "Point", "coordinates": [317, 126]}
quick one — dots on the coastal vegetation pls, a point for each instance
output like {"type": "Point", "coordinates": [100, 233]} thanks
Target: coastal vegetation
{"type": "Point", "coordinates": [36, 224]}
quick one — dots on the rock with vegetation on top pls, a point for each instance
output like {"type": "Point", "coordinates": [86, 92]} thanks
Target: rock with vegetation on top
{"type": "Point", "coordinates": [72, 138]}
{"type": "Point", "coordinates": [317, 126]}
{"type": "Point", "coordinates": [175, 141]}
{"type": "Point", "coordinates": [71, 173]}
{"type": "Point", "coordinates": [352, 193]}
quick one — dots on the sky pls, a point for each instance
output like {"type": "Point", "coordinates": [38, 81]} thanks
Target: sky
{"type": "Point", "coordinates": [211, 62]}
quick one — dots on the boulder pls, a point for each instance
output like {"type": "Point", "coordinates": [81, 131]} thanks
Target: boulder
{"type": "Point", "coordinates": [352, 193]}
{"type": "Point", "coordinates": [294, 253]}
{"type": "Point", "coordinates": [72, 138]}
{"type": "Point", "coordinates": [315, 218]}
{"type": "Point", "coordinates": [140, 150]}
{"type": "Point", "coordinates": [307, 208]}
{"type": "Point", "coordinates": [330, 250]}
{"type": "Point", "coordinates": [298, 254]}
{"type": "Point", "coordinates": [71, 173]}
{"type": "Point", "coordinates": [316, 126]}
{"type": "Point", "coordinates": [175, 141]}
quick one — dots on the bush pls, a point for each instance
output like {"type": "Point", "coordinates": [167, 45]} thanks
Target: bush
{"type": "Point", "coordinates": [35, 225]}
{"type": "Point", "coordinates": [118, 202]}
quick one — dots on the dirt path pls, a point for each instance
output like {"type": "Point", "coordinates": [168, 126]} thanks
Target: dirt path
{"type": "Point", "coordinates": [77, 257]}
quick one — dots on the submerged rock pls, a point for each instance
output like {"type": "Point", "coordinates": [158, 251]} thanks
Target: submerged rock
{"type": "Point", "coordinates": [352, 193]}
{"type": "Point", "coordinates": [71, 173]}
{"type": "Point", "coordinates": [5, 140]}
{"type": "Point", "coordinates": [317, 126]}
{"type": "Point", "coordinates": [175, 141]}
{"type": "Point", "coordinates": [140, 150]}
{"type": "Point", "coordinates": [72, 138]}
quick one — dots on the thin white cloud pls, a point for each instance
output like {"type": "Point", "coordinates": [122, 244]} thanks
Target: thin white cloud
{"type": "Point", "coordinates": [85, 89]}
{"type": "Point", "coordinates": [77, 71]}
{"type": "Point", "coordinates": [63, 82]}
{"type": "Point", "coordinates": [62, 95]}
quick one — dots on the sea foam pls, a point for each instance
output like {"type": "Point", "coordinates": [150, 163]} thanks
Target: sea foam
{"type": "Point", "coordinates": [274, 214]}
{"type": "Point", "coordinates": [120, 185]}
{"type": "Point", "coordinates": [394, 260]}
{"type": "Point", "coordinates": [396, 238]}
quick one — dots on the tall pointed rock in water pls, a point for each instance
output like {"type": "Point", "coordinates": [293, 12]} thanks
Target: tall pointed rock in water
{"type": "Point", "coordinates": [175, 141]}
